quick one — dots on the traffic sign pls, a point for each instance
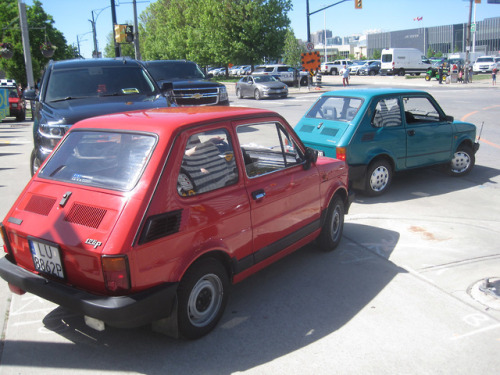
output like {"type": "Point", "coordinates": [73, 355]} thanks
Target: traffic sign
{"type": "Point", "coordinates": [310, 46]}
{"type": "Point", "coordinates": [311, 61]}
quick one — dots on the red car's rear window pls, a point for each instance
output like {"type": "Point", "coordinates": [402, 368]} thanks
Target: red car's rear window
{"type": "Point", "coordinates": [109, 160]}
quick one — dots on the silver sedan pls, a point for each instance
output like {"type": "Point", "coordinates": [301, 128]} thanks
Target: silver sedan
{"type": "Point", "coordinates": [260, 87]}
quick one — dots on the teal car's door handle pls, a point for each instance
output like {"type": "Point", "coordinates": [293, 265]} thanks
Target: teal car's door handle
{"type": "Point", "coordinates": [411, 133]}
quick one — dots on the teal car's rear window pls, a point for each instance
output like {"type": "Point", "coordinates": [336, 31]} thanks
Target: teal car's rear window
{"type": "Point", "coordinates": [336, 108]}
{"type": "Point", "coordinates": [109, 160]}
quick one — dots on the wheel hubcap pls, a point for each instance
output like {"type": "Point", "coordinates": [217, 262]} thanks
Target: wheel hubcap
{"type": "Point", "coordinates": [460, 162]}
{"type": "Point", "coordinates": [205, 300]}
{"type": "Point", "coordinates": [335, 224]}
{"type": "Point", "coordinates": [379, 178]}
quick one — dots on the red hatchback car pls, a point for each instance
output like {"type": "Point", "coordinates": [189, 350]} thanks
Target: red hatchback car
{"type": "Point", "coordinates": [149, 216]}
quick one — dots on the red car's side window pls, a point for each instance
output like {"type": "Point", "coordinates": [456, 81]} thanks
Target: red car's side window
{"type": "Point", "coordinates": [208, 163]}
{"type": "Point", "coordinates": [266, 148]}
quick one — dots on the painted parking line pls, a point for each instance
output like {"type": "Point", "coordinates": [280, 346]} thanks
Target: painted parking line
{"type": "Point", "coordinates": [473, 113]}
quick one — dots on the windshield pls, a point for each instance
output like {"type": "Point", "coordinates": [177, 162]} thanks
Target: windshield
{"type": "Point", "coordinates": [485, 59]}
{"type": "Point", "coordinates": [260, 79]}
{"type": "Point", "coordinates": [174, 70]}
{"type": "Point", "coordinates": [98, 81]}
{"type": "Point", "coordinates": [109, 160]}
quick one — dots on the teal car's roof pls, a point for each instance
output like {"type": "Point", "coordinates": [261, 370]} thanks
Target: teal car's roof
{"type": "Point", "coordinates": [370, 93]}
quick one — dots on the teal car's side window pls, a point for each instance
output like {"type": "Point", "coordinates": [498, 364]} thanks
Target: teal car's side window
{"type": "Point", "coordinates": [420, 109]}
{"type": "Point", "coordinates": [387, 113]}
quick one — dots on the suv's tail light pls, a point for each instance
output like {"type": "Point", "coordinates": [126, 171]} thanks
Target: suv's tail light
{"type": "Point", "coordinates": [116, 273]}
{"type": "Point", "coordinates": [341, 153]}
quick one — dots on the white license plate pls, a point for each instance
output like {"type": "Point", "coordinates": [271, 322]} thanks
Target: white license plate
{"type": "Point", "coordinates": [46, 258]}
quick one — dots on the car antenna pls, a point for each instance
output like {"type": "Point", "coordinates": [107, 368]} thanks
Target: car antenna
{"type": "Point", "coordinates": [480, 131]}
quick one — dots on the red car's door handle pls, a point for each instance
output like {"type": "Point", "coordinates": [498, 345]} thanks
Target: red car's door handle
{"type": "Point", "coordinates": [258, 194]}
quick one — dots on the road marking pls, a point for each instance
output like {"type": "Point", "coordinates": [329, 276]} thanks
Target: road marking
{"type": "Point", "coordinates": [473, 113]}
{"type": "Point", "coordinates": [494, 326]}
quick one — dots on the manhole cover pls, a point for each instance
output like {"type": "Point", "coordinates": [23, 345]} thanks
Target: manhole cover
{"type": "Point", "coordinates": [486, 292]}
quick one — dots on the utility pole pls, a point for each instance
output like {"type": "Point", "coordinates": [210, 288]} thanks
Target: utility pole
{"type": "Point", "coordinates": [113, 17]}
{"type": "Point", "coordinates": [467, 45]}
{"type": "Point", "coordinates": [26, 44]}
{"type": "Point", "coordinates": [136, 34]}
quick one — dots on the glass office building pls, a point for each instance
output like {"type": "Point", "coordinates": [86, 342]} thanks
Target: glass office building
{"type": "Point", "coordinates": [444, 39]}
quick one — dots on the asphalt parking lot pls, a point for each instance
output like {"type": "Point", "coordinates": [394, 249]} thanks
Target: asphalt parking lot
{"type": "Point", "coordinates": [406, 292]}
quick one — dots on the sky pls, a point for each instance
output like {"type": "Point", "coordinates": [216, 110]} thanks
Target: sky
{"type": "Point", "coordinates": [72, 16]}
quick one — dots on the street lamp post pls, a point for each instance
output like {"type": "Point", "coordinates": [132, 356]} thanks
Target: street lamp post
{"type": "Point", "coordinates": [93, 21]}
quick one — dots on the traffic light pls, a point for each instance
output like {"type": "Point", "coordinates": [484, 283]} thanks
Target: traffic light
{"type": "Point", "coordinates": [120, 33]}
{"type": "Point", "coordinates": [129, 32]}
{"type": "Point", "coordinates": [358, 4]}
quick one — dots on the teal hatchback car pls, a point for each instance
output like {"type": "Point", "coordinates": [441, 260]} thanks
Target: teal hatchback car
{"type": "Point", "coordinates": [382, 131]}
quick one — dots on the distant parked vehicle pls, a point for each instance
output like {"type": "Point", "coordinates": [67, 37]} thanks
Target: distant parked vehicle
{"type": "Point", "coordinates": [484, 64]}
{"type": "Point", "coordinates": [260, 87]}
{"type": "Point", "coordinates": [334, 67]}
{"type": "Point", "coordinates": [370, 69]}
{"type": "Point", "coordinates": [400, 61]}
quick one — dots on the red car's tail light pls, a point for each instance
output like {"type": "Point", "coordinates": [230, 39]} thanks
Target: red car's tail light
{"type": "Point", "coordinates": [341, 153]}
{"type": "Point", "coordinates": [116, 273]}
{"type": "Point", "coordinates": [5, 239]}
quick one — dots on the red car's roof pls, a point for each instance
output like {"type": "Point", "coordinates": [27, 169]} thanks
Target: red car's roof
{"type": "Point", "coordinates": [160, 120]}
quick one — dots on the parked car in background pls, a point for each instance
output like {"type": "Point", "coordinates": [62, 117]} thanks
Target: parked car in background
{"type": "Point", "coordinates": [334, 67]}
{"type": "Point", "coordinates": [484, 64]}
{"type": "Point", "coordinates": [259, 87]}
{"type": "Point", "coordinates": [190, 85]}
{"type": "Point", "coordinates": [72, 90]}
{"type": "Point", "coordinates": [371, 69]}
{"type": "Point", "coordinates": [233, 70]}
{"type": "Point", "coordinates": [17, 104]}
{"type": "Point", "coordinates": [149, 216]}
{"type": "Point", "coordinates": [284, 73]}
{"type": "Point", "coordinates": [382, 131]}
{"type": "Point", "coordinates": [353, 69]}
{"type": "Point", "coordinates": [402, 61]}
{"type": "Point", "coordinates": [245, 70]}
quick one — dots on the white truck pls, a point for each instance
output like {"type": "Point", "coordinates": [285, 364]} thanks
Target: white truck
{"type": "Point", "coordinates": [401, 61]}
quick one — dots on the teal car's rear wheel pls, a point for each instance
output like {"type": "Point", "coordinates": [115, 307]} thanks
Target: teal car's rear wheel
{"type": "Point", "coordinates": [378, 177]}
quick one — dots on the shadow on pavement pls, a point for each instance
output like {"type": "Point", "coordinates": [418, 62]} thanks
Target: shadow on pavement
{"type": "Point", "coordinates": [418, 183]}
{"type": "Point", "coordinates": [289, 305]}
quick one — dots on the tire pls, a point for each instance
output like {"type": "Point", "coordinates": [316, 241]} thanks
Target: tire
{"type": "Point", "coordinates": [333, 72]}
{"type": "Point", "coordinates": [401, 72]}
{"type": "Point", "coordinates": [257, 95]}
{"type": "Point", "coordinates": [463, 161]}
{"type": "Point", "coordinates": [303, 81]}
{"type": "Point", "coordinates": [202, 298]}
{"type": "Point", "coordinates": [427, 77]}
{"type": "Point", "coordinates": [238, 93]}
{"type": "Point", "coordinates": [378, 177]}
{"type": "Point", "coordinates": [34, 163]}
{"type": "Point", "coordinates": [331, 233]}
{"type": "Point", "coordinates": [371, 73]}
{"type": "Point", "coordinates": [284, 96]}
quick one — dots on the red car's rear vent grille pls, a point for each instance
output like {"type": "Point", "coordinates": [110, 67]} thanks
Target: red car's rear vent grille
{"type": "Point", "coordinates": [85, 215]}
{"type": "Point", "coordinates": [40, 205]}
{"type": "Point", "coordinates": [162, 225]}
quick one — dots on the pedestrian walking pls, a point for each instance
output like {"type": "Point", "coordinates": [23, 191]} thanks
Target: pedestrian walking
{"type": "Point", "coordinates": [345, 76]}
{"type": "Point", "coordinates": [494, 76]}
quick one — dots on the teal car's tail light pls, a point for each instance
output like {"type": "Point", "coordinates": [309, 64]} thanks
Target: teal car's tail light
{"type": "Point", "coordinates": [341, 153]}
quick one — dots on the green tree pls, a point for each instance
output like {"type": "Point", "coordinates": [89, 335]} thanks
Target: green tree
{"type": "Point", "coordinates": [41, 30]}
{"type": "Point", "coordinates": [215, 31]}
{"type": "Point", "coordinates": [292, 50]}
{"type": "Point", "coordinates": [376, 54]}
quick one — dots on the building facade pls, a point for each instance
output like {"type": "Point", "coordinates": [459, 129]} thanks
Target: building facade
{"type": "Point", "coordinates": [444, 39]}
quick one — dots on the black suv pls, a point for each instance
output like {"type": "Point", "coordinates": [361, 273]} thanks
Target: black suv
{"type": "Point", "coordinates": [72, 90]}
{"type": "Point", "coordinates": [190, 86]}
